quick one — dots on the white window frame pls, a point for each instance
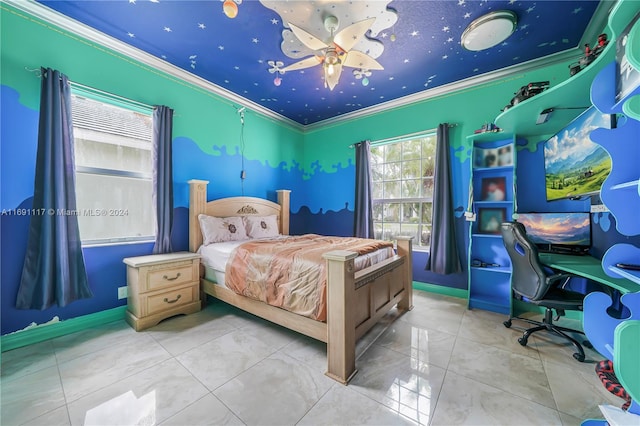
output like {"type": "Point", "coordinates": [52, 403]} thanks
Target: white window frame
{"type": "Point", "coordinates": [423, 224]}
{"type": "Point", "coordinates": [125, 140]}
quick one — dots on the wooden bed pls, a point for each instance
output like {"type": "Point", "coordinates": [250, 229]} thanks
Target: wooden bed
{"type": "Point", "coordinates": [355, 300]}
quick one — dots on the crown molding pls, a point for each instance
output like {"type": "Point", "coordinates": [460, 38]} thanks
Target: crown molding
{"type": "Point", "coordinates": [447, 89]}
{"type": "Point", "coordinates": [51, 16]}
{"type": "Point", "coordinates": [598, 24]}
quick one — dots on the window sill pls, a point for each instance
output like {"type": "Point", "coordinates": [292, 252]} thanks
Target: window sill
{"type": "Point", "coordinates": [115, 243]}
{"type": "Point", "coordinates": [420, 249]}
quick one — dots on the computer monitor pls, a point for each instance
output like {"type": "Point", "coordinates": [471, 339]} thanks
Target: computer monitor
{"type": "Point", "coordinates": [559, 232]}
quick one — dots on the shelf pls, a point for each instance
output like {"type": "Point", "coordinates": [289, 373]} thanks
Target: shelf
{"type": "Point", "coordinates": [574, 92]}
{"type": "Point", "coordinates": [486, 305]}
{"type": "Point", "coordinates": [492, 169]}
{"type": "Point", "coordinates": [493, 203]}
{"type": "Point", "coordinates": [626, 273]}
{"type": "Point", "coordinates": [625, 185]}
{"type": "Point", "coordinates": [497, 269]}
{"type": "Point", "coordinates": [633, 46]}
{"type": "Point", "coordinates": [632, 107]}
{"type": "Point", "coordinates": [493, 236]}
{"type": "Point", "coordinates": [621, 253]}
{"type": "Point", "coordinates": [490, 136]}
{"type": "Point", "coordinates": [617, 338]}
{"type": "Point", "coordinates": [490, 286]}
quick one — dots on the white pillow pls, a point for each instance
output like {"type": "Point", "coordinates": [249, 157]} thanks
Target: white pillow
{"type": "Point", "coordinates": [261, 226]}
{"type": "Point", "coordinates": [221, 229]}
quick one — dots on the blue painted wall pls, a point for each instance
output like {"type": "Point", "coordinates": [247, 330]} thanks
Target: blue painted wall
{"type": "Point", "coordinates": [532, 198]}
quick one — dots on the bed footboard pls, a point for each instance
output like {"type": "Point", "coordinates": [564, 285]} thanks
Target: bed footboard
{"type": "Point", "coordinates": [357, 300]}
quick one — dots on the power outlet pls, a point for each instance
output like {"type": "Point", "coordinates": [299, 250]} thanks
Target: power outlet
{"type": "Point", "coordinates": [599, 208]}
{"type": "Point", "coordinates": [122, 293]}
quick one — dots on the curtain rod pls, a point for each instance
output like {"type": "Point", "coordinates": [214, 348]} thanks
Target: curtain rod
{"type": "Point", "coordinates": [407, 136]}
{"type": "Point", "coordinates": [90, 89]}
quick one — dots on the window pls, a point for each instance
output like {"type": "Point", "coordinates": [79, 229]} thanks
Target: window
{"type": "Point", "coordinates": [114, 171]}
{"type": "Point", "coordinates": [402, 175]}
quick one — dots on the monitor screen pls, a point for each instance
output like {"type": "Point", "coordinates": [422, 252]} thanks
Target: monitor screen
{"type": "Point", "coordinates": [574, 165]}
{"type": "Point", "coordinates": [551, 231]}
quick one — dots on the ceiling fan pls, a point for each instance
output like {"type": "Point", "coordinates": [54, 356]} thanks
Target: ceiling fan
{"type": "Point", "coordinates": [335, 53]}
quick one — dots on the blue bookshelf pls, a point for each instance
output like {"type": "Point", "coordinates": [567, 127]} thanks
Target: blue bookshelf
{"type": "Point", "coordinates": [492, 202]}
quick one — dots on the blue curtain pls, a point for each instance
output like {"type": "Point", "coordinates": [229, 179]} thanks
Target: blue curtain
{"type": "Point", "coordinates": [163, 177]}
{"type": "Point", "coordinates": [443, 257]}
{"type": "Point", "coordinates": [53, 271]}
{"type": "Point", "coordinates": [363, 209]}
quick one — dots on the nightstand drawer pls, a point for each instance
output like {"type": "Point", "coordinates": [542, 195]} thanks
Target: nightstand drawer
{"type": "Point", "coordinates": [170, 299]}
{"type": "Point", "coordinates": [173, 276]}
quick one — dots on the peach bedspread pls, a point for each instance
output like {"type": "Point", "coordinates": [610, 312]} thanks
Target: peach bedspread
{"type": "Point", "coordinates": [290, 273]}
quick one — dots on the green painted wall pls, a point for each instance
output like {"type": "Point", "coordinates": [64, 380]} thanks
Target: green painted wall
{"type": "Point", "coordinates": [469, 109]}
{"type": "Point", "coordinates": [200, 115]}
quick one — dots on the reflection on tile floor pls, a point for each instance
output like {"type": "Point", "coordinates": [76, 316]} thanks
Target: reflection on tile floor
{"type": "Point", "coordinates": [439, 364]}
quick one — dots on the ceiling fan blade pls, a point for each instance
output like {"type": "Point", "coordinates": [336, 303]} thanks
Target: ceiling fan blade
{"type": "Point", "coordinates": [331, 80]}
{"type": "Point", "coordinates": [348, 37]}
{"type": "Point", "coordinates": [305, 63]}
{"type": "Point", "coordinates": [357, 59]}
{"type": "Point", "coordinates": [308, 39]}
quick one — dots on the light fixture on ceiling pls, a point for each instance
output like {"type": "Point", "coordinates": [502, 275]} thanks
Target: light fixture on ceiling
{"type": "Point", "coordinates": [337, 52]}
{"type": "Point", "coordinates": [230, 8]}
{"type": "Point", "coordinates": [489, 30]}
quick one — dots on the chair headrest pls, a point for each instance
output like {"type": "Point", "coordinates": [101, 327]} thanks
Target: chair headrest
{"type": "Point", "coordinates": [528, 273]}
{"type": "Point", "coordinates": [514, 233]}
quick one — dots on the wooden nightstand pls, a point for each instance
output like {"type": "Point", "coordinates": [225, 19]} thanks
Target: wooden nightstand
{"type": "Point", "coordinates": [160, 286]}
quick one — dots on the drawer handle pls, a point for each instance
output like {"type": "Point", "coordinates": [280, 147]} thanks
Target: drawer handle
{"type": "Point", "coordinates": [174, 300]}
{"type": "Point", "coordinates": [172, 279]}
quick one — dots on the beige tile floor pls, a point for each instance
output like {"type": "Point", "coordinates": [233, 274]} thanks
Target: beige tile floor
{"type": "Point", "coordinates": [439, 364]}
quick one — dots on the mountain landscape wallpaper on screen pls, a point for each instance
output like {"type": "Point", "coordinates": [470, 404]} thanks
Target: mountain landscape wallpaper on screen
{"type": "Point", "coordinates": [574, 165]}
{"type": "Point", "coordinates": [558, 228]}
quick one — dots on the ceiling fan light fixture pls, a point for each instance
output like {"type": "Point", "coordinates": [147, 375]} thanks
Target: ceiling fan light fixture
{"type": "Point", "coordinates": [331, 59]}
{"type": "Point", "coordinates": [489, 30]}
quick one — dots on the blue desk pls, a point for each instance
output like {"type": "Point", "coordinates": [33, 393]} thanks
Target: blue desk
{"type": "Point", "coordinates": [588, 267]}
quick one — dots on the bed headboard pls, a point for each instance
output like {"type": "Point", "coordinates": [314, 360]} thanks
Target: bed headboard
{"type": "Point", "coordinates": [233, 206]}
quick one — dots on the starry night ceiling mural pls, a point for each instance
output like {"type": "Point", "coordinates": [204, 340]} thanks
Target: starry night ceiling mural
{"type": "Point", "coordinates": [417, 43]}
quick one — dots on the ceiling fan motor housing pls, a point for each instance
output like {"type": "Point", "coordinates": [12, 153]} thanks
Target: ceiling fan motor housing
{"type": "Point", "coordinates": [331, 24]}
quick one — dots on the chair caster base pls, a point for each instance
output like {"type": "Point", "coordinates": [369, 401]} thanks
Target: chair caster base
{"type": "Point", "coordinates": [507, 323]}
{"type": "Point", "coordinates": [579, 356]}
{"type": "Point", "coordinates": [523, 341]}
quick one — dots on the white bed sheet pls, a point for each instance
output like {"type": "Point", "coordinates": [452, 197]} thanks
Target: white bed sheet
{"type": "Point", "coordinates": [214, 257]}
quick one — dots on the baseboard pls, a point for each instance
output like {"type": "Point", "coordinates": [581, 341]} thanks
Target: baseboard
{"type": "Point", "coordinates": [440, 289]}
{"type": "Point", "coordinates": [49, 331]}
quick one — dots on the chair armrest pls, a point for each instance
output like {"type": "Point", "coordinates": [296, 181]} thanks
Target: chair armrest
{"type": "Point", "coordinates": [551, 279]}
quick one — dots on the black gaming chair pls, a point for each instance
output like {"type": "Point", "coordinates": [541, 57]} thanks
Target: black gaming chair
{"type": "Point", "coordinates": [532, 282]}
